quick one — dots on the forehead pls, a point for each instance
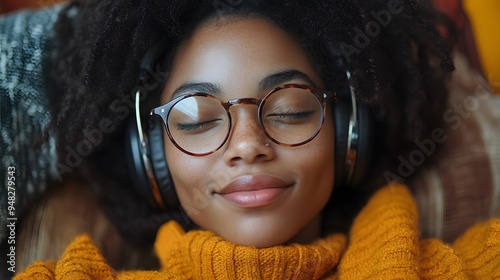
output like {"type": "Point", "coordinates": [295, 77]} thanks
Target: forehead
{"type": "Point", "coordinates": [236, 50]}
{"type": "Point", "coordinates": [240, 29]}
{"type": "Point", "coordinates": [240, 37]}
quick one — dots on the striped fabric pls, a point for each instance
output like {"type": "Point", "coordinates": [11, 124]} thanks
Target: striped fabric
{"type": "Point", "coordinates": [464, 186]}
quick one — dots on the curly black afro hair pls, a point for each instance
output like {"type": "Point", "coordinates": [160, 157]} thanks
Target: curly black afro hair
{"type": "Point", "coordinates": [399, 72]}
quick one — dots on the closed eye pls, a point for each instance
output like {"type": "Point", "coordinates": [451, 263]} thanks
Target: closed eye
{"type": "Point", "coordinates": [290, 118]}
{"type": "Point", "coordinates": [198, 126]}
{"type": "Point", "coordinates": [292, 115]}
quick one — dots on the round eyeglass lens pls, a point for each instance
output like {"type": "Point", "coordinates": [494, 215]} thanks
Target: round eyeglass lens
{"type": "Point", "coordinates": [292, 116]}
{"type": "Point", "coordinates": [198, 124]}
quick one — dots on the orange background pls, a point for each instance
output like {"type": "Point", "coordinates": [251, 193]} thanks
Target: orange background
{"type": "Point", "coordinates": [485, 21]}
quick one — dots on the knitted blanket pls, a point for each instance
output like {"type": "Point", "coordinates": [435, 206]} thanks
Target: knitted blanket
{"type": "Point", "coordinates": [26, 42]}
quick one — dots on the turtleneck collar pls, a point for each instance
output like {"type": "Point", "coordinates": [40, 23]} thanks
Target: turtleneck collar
{"type": "Point", "coordinates": [386, 228]}
{"type": "Point", "coordinates": [204, 255]}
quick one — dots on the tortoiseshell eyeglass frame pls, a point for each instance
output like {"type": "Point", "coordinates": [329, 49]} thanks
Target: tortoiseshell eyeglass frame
{"type": "Point", "coordinates": [322, 95]}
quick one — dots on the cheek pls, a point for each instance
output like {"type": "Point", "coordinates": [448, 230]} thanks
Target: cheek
{"type": "Point", "coordinates": [188, 173]}
{"type": "Point", "coordinates": [317, 164]}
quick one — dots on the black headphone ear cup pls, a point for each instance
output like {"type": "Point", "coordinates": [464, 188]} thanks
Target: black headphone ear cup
{"type": "Point", "coordinates": [341, 115]}
{"type": "Point", "coordinates": [136, 156]}
{"type": "Point", "coordinates": [160, 166]}
{"type": "Point", "coordinates": [364, 149]}
{"type": "Point", "coordinates": [360, 142]}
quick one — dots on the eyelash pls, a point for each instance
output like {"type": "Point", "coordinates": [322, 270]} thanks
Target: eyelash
{"type": "Point", "coordinates": [293, 115]}
{"type": "Point", "coordinates": [194, 126]}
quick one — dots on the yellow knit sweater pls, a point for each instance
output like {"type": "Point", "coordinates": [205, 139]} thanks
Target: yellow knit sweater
{"type": "Point", "coordinates": [383, 244]}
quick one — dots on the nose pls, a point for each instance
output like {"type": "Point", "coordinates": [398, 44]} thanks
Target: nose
{"type": "Point", "coordinates": [247, 142]}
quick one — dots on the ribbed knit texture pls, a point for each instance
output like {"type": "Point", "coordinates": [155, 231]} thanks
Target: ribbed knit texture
{"type": "Point", "coordinates": [383, 244]}
{"type": "Point", "coordinates": [203, 255]}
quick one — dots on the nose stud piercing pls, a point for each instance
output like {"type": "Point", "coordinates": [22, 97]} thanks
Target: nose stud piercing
{"type": "Point", "coordinates": [266, 144]}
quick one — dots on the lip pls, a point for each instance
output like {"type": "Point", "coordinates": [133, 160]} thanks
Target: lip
{"type": "Point", "coordinates": [251, 191]}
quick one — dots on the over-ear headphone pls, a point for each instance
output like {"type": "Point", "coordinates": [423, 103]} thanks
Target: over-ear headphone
{"type": "Point", "coordinates": [353, 130]}
{"type": "Point", "coordinates": [146, 151]}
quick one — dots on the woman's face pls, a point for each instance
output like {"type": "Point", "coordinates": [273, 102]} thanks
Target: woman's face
{"type": "Point", "coordinates": [250, 192]}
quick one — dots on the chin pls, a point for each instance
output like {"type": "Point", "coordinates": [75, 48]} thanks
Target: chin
{"type": "Point", "coordinates": [259, 234]}
{"type": "Point", "coordinates": [260, 228]}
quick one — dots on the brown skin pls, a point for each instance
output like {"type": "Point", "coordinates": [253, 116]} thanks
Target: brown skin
{"type": "Point", "coordinates": [237, 54]}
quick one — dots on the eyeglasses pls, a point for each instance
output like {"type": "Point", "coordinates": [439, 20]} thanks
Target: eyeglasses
{"type": "Point", "coordinates": [199, 124]}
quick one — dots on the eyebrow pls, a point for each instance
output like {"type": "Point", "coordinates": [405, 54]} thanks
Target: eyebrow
{"type": "Point", "coordinates": [283, 77]}
{"type": "Point", "coordinates": [268, 83]}
{"type": "Point", "coordinates": [191, 87]}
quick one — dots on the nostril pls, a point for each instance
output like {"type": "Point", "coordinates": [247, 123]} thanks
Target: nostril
{"type": "Point", "coordinates": [248, 148]}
